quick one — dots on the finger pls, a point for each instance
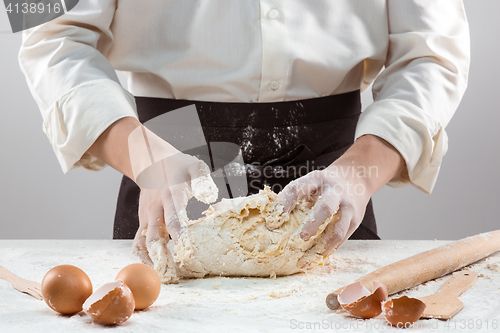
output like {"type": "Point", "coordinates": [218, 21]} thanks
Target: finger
{"type": "Point", "coordinates": [324, 208]}
{"type": "Point", "coordinates": [139, 247]}
{"type": "Point", "coordinates": [337, 233]}
{"type": "Point", "coordinates": [156, 241]}
{"type": "Point", "coordinates": [171, 218]}
{"type": "Point", "coordinates": [289, 196]}
{"type": "Point", "coordinates": [156, 225]}
{"type": "Point", "coordinates": [202, 184]}
{"type": "Point", "coordinates": [175, 210]}
{"type": "Point", "coordinates": [351, 230]}
{"type": "Point", "coordinates": [172, 223]}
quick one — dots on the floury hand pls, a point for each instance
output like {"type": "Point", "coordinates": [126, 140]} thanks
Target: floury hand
{"type": "Point", "coordinates": [168, 179]}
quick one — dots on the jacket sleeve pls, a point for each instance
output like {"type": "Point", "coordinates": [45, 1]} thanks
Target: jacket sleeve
{"type": "Point", "coordinates": [74, 85]}
{"type": "Point", "coordinates": [424, 79]}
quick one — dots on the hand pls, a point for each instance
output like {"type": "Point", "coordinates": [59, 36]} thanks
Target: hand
{"type": "Point", "coordinates": [346, 196]}
{"type": "Point", "coordinates": [345, 188]}
{"type": "Point", "coordinates": [168, 179]}
{"type": "Point", "coordinates": [162, 212]}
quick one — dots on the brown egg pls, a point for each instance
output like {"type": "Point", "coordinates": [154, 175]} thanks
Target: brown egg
{"type": "Point", "coordinates": [143, 282]}
{"type": "Point", "coordinates": [111, 304]}
{"type": "Point", "coordinates": [65, 288]}
{"type": "Point", "coordinates": [404, 311]}
{"type": "Point", "coordinates": [362, 303]}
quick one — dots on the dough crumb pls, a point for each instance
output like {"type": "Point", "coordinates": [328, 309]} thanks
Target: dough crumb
{"type": "Point", "coordinates": [494, 267]}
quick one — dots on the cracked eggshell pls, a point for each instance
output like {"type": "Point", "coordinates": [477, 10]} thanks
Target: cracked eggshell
{"type": "Point", "coordinates": [403, 311]}
{"type": "Point", "coordinates": [144, 283]}
{"type": "Point", "coordinates": [65, 288]}
{"type": "Point", "coordinates": [111, 304]}
{"type": "Point", "coordinates": [362, 303]}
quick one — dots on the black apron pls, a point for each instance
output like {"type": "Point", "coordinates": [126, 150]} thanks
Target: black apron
{"type": "Point", "coordinates": [275, 139]}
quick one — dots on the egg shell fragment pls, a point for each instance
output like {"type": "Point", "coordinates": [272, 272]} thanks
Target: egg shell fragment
{"type": "Point", "coordinates": [404, 311]}
{"type": "Point", "coordinates": [65, 288]}
{"type": "Point", "coordinates": [144, 283]}
{"type": "Point", "coordinates": [362, 303]}
{"type": "Point", "coordinates": [111, 304]}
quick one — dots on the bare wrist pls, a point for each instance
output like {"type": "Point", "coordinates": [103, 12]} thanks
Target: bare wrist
{"type": "Point", "coordinates": [112, 145]}
{"type": "Point", "coordinates": [371, 161]}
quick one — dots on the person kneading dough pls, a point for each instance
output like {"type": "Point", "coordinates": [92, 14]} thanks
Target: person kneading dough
{"type": "Point", "coordinates": [280, 80]}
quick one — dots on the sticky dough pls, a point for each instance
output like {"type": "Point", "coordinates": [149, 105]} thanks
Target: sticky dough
{"type": "Point", "coordinates": [243, 237]}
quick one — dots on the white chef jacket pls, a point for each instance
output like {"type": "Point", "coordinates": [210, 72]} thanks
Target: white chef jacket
{"type": "Point", "coordinates": [253, 51]}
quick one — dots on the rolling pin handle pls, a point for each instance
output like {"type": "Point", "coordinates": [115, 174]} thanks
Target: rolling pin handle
{"type": "Point", "coordinates": [332, 302]}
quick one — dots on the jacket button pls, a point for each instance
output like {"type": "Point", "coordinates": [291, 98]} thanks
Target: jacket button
{"type": "Point", "coordinates": [275, 85]}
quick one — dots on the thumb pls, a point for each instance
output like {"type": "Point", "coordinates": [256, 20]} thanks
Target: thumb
{"type": "Point", "coordinates": [289, 196]}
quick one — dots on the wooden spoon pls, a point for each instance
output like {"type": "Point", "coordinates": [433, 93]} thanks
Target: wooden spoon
{"type": "Point", "coordinates": [445, 303]}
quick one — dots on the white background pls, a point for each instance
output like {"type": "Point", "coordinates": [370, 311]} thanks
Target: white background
{"type": "Point", "coordinates": [38, 201]}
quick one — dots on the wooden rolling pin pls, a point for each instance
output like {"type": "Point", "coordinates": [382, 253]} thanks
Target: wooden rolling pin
{"type": "Point", "coordinates": [428, 265]}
